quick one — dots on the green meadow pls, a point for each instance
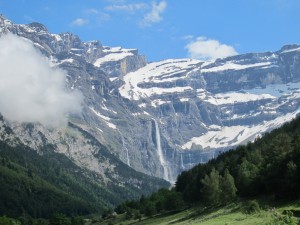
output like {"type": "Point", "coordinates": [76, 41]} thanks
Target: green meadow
{"type": "Point", "coordinates": [229, 215]}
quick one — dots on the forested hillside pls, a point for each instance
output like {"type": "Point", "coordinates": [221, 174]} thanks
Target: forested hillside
{"type": "Point", "coordinates": [42, 184]}
{"type": "Point", "coordinates": [269, 167]}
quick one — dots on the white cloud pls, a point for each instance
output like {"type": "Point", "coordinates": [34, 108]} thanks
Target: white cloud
{"type": "Point", "coordinates": [91, 11]}
{"type": "Point", "coordinates": [206, 49]}
{"type": "Point", "coordinates": [93, 15]}
{"type": "Point", "coordinates": [126, 7]}
{"type": "Point", "coordinates": [79, 22]}
{"type": "Point", "coordinates": [30, 89]}
{"type": "Point", "coordinates": [154, 16]}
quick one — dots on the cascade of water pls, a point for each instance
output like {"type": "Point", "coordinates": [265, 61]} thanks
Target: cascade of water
{"type": "Point", "coordinates": [181, 160]}
{"type": "Point", "coordinates": [160, 153]}
{"type": "Point", "coordinates": [124, 148]}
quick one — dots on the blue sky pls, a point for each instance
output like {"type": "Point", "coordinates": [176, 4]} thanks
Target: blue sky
{"type": "Point", "coordinates": [162, 29]}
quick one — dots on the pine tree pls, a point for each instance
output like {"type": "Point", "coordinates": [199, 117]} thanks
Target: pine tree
{"type": "Point", "coordinates": [211, 188]}
{"type": "Point", "coordinates": [228, 188]}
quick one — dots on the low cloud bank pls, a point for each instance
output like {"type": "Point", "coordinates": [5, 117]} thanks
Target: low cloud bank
{"type": "Point", "coordinates": [30, 89]}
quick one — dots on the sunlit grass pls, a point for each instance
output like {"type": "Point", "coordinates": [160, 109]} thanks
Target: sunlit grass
{"type": "Point", "coordinates": [230, 215]}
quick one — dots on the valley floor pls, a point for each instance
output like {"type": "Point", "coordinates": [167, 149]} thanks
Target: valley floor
{"type": "Point", "coordinates": [230, 215]}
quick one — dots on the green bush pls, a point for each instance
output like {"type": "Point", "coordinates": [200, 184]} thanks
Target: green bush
{"type": "Point", "coordinates": [8, 221]}
{"type": "Point", "coordinates": [280, 219]}
{"type": "Point", "coordinates": [250, 207]}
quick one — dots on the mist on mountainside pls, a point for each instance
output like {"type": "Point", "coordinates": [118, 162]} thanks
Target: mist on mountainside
{"type": "Point", "coordinates": [32, 90]}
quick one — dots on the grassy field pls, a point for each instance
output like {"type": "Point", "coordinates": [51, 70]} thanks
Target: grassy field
{"type": "Point", "coordinates": [230, 215]}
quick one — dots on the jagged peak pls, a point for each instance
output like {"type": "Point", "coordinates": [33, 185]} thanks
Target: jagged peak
{"type": "Point", "coordinates": [7, 25]}
{"type": "Point", "coordinates": [38, 27]}
{"type": "Point", "coordinates": [71, 36]}
{"type": "Point", "coordinates": [4, 22]}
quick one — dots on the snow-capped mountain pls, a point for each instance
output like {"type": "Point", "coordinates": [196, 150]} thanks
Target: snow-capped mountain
{"type": "Point", "coordinates": [164, 117]}
{"type": "Point", "coordinates": [248, 94]}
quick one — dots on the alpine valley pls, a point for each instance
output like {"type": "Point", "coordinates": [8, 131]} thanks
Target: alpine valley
{"type": "Point", "coordinates": [158, 118]}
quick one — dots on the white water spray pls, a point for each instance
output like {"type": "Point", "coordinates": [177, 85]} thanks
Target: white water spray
{"type": "Point", "coordinates": [160, 153]}
{"type": "Point", "coordinates": [181, 161]}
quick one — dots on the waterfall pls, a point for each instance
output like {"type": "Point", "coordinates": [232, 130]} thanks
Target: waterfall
{"type": "Point", "coordinates": [181, 161]}
{"type": "Point", "coordinates": [124, 148]}
{"type": "Point", "coordinates": [160, 153]}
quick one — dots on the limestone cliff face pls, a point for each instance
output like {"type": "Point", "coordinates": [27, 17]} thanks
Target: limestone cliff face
{"type": "Point", "coordinates": [132, 63]}
{"type": "Point", "coordinates": [164, 117]}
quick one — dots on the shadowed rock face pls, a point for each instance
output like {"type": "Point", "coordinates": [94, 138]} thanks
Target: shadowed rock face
{"type": "Point", "coordinates": [199, 108]}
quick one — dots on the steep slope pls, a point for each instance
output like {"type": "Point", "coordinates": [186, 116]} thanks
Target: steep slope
{"type": "Point", "coordinates": [164, 117]}
{"type": "Point", "coordinates": [45, 182]}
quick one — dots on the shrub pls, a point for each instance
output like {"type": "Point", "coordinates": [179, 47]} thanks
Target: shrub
{"type": "Point", "coordinates": [250, 207]}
